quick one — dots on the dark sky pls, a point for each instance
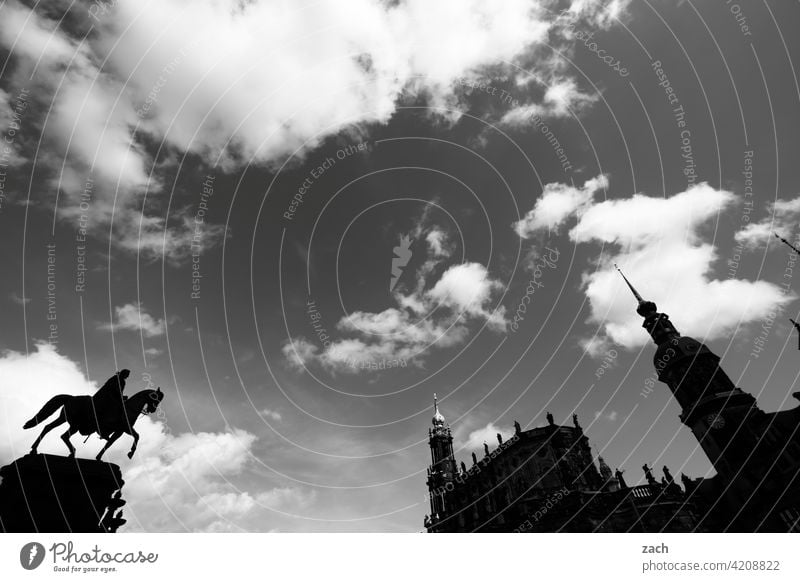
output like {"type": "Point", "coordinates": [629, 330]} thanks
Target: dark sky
{"type": "Point", "coordinates": [299, 385]}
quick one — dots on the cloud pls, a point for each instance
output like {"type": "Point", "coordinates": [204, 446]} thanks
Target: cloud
{"type": "Point", "coordinates": [784, 219]}
{"type": "Point", "coordinates": [400, 335]}
{"type": "Point", "coordinates": [175, 482]}
{"type": "Point", "coordinates": [488, 435]}
{"type": "Point", "coordinates": [152, 238]}
{"type": "Point", "coordinates": [437, 241]}
{"type": "Point", "coordinates": [609, 416]}
{"type": "Point", "coordinates": [561, 99]}
{"type": "Point", "coordinates": [273, 414]}
{"type": "Point", "coordinates": [19, 300]}
{"type": "Point", "coordinates": [133, 317]}
{"type": "Point", "coordinates": [467, 289]}
{"type": "Point", "coordinates": [278, 78]}
{"type": "Point", "coordinates": [660, 245]}
{"type": "Point", "coordinates": [556, 204]}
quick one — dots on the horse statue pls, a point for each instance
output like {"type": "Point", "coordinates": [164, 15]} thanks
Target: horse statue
{"type": "Point", "coordinates": [82, 415]}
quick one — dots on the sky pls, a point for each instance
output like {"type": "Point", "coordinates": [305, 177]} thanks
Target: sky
{"type": "Point", "coordinates": [301, 220]}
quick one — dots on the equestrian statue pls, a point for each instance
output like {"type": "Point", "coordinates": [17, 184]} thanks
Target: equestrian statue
{"type": "Point", "coordinates": [109, 413]}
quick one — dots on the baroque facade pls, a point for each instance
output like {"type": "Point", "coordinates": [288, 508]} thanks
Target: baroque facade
{"type": "Point", "coordinates": [545, 479]}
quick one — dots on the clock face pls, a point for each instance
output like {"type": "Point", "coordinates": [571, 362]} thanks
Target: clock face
{"type": "Point", "coordinates": [715, 421]}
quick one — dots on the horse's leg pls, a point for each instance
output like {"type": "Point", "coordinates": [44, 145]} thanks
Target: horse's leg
{"type": "Point", "coordinates": [65, 437]}
{"type": "Point", "coordinates": [135, 442]}
{"type": "Point", "coordinates": [109, 442]}
{"type": "Point", "coordinates": [60, 420]}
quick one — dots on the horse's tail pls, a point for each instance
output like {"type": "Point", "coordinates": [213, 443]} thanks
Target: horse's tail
{"type": "Point", "coordinates": [52, 405]}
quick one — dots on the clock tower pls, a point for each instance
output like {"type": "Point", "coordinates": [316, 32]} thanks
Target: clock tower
{"type": "Point", "coordinates": [443, 469]}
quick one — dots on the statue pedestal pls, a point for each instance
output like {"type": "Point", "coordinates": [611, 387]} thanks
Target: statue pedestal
{"type": "Point", "coordinates": [50, 493]}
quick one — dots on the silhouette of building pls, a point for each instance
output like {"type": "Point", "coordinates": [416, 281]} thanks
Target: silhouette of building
{"type": "Point", "coordinates": [50, 493]}
{"type": "Point", "coordinates": [545, 479]}
{"type": "Point", "coordinates": [756, 454]}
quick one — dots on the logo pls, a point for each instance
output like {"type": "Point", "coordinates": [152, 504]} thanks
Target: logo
{"type": "Point", "coordinates": [31, 555]}
{"type": "Point", "coordinates": [400, 260]}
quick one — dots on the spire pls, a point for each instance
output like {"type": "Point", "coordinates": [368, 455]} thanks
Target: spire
{"type": "Point", "coordinates": [631, 287]}
{"type": "Point", "coordinates": [788, 244]}
{"type": "Point", "coordinates": [438, 419]}
{"type": "Point", "coordinates": [657, 324]}
{"type": "Point", "coordinates": [645, 307]}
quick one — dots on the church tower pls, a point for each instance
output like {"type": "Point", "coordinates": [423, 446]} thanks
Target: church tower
{"type": "Point", "coordinates": [443, 463]}
{"type": "Point", "coordinates": [722, 417]}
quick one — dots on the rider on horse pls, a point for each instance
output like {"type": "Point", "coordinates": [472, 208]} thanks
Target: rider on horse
{"type": "Point", "coordinates": [109, 401]}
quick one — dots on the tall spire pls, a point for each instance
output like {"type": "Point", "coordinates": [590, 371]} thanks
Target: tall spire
{"type": "Point", "coordinates": [657, 324]}
{"type": "Point", "coordinates": [631, 287]}
{"type": "Point", "coordinates": [645, 308]}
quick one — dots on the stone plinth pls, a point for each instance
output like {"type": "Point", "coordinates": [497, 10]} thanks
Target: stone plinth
{"type": "Point", "coordinates": [50, 493]}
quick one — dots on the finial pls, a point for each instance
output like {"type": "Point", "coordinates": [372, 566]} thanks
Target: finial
{"type": "Point", "coordinates": [438, 419]}
{"type": "Point", "coordinates": [631, 287]}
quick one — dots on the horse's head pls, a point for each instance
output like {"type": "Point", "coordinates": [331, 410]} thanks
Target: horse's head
{"type": "Point", "coordinates": [154, 398]}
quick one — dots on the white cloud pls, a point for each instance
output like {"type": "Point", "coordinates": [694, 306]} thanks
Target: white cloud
{"type": "Point", "coordinates": [248, 82]}
{"type": "Point", "coordinates": [399, 336]}
{"type": "Point", "coordinates": [134, 317]}
{"type": "Point", "coordinates": [784, 219]}
{"type": "Point", "coordinates": [467, 288]}
{"type": "Point", "coordinates": [561, 99]}
{"type": "Point", "coordinates": [659, 244]}
{"type": "Point", "coordinates": [273, 414]}
{"type": "Point", "coordinates": [175, 482]}
{"type": "Point", "coordinates": [556, 204]}
{"type": "Point", "coordinates": [609, 416]}
{"type": "Point", "coordinates": [437, 241]}
{"type": "Point", "coordinates": [19, 300]}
